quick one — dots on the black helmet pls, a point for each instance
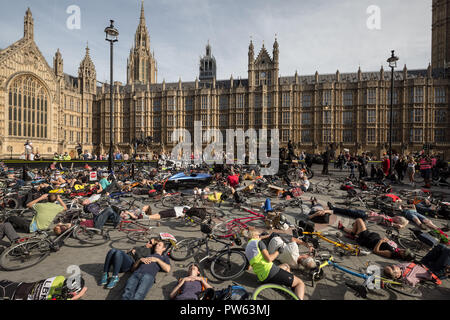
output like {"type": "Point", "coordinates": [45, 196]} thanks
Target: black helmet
{"type": "Point", "coordinates": [72, 285]}
{"type": "Point", "coordinates": [205, 228]}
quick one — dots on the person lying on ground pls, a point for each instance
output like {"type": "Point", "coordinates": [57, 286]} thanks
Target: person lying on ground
{"type": "Point", "coordinates": [411, 272]}
{"type": "Point", "coordinates": [180, 212]}
{"type": "Point", "coordinates": [144, 273]}
{"type": "Point", "coordinates": [189, 288]}
{"type": "Point", "coordinates": [318, 214]}
{"type": "Point", "coordinates": [7, 229]}
{"type": "Point", "coordinates": [288, 246]}
{"type": "Point", "coordinates": [373, 241]}
{"type": "Point", "coordinates": [122, 261]}
{"type": "Point", "coordinates": [45, 214]}
{"type": "Point", "coordinates": [100, 216]}
{"type": "Point", "coordinates": [137, 214]}
{"type": "Point", "coordinates": [397, 222]}
{"type": "Point", "coordinates": [56, 288]}
{"type": "Point", "coordinates": [409, 211]}
{"type": "Point", "coordinates": [261, 261]}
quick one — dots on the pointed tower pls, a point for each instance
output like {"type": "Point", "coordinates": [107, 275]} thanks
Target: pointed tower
{"type": "Point", "coordinates": [251, 63]}
{"type": "Point", "coordinates": [87, 73]}
{"type": "Point", "coordinates": [264, 69]}
{"type": "Point", "coordinates": [142, 67]}
{"type": "Point", "coordinates": [28, 28]}
{"type": "Point", "coordinates": [58, 64]}
{"type": "Point", "coordinates": [440, 39]}
{"type": "Point", "coordinates": [207, 66]}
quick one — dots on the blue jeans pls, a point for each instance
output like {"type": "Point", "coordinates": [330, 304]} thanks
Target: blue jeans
{"type": "Point", "coordinates": [354, 213]}
{"type": "Point", "coordinates": [119, 260]}
{"type": "Point", "coordinates": [437, 260]}
{"type": "Point", "coordinates": [138, 285]}
{"type": "Point", "coordinates": [410, 214]}
{"type": "Point", "coordinates": [102, 217]}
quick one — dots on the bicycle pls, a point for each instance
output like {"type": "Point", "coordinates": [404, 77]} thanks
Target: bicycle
{"type": "Point", "coordinates": [171, 200]}
{"type": "Point", "coordinates": [226, 264]}
{"type": "Point", "coordinates": [236, 226]}
{"type": "Point", "coordinates": [342, 247]}
{"type": "Point", "coordinates": [271, 291]}
{"type": "Point", "coordinates": [371, 280]}
{"type": "Point", "coordinates": [411, 242]}
{"type": "Point", "coordinates": [35, 249]}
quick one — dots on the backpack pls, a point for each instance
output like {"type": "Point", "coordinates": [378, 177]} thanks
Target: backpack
{"type": "Point", "coordinates": [234, 292]}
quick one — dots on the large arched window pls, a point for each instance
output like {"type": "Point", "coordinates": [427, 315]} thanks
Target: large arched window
{"type": "Point", "coordinates": [27, 106]}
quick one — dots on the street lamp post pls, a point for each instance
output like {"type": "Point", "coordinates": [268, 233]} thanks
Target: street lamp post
{"type": "Point", "coordinates": [392, 64]}
{"type": "Point", "coordinates": [112, 35]}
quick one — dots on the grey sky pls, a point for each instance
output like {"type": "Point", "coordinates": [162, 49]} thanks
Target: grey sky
{"type": "Point", "coordinates": [312, 34]}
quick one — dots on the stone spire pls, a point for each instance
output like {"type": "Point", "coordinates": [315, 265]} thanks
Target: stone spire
{"type": "Point", "coordinates": [141, 63]}
{"type": "Point", "coordinates": [58, 64]}
{"type": "Point", "coordinates": [87, 73]}
{"type": "Point", "coordinates": [28, 29]}
{"type": "Point", "coordinates": [208, 66]}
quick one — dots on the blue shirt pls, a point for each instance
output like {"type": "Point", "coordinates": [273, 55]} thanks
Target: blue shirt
{"type": "Point", "coordinates": [104, 183]}
{"type": "Point", "coordinates": [154, 267]}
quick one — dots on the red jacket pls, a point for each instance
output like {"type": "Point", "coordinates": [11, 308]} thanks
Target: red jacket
{"type": "Point", "coordinates": [386, 166]}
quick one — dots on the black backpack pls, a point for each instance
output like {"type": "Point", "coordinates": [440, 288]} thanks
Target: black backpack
{"type": "Point", "coordinates": [234, 292]}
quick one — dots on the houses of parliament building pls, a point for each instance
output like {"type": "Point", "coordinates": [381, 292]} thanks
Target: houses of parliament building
{"type": "Point", "coordinates": [54, 110]}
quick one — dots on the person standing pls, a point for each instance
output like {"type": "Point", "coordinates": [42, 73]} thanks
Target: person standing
{"type": "Point", "coordinates": [386, 165]}
{"type": "Point", "coordinates": [79, 149]}
{"type": "Point", "coordinates": [28, 149]}
{"type": "Point", "coordinates": [425, 169]}
{"type": "Point", "coordinates": [326, 161]}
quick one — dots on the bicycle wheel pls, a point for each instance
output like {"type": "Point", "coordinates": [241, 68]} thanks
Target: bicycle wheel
{"type": "Point", "coordinates": [229, 264]}
{"type": "Point", "coordinates": [226, 229]}
{"type": "Point", "coordinates": [172, 201]}
{"type": "Point", "coordinates": [405, 289]}
{"type": "Point", "coordinates": [90, 236]}
{"type": "Point", "coordinates": [24, 255]}
{"type": "Point", "coordinates": [183, 250]}
{"type": "Point", "coordinates": [139, 236]}
{"type": "Point", "coordinates": [273, 292]}
{"type": "Point", "coordinates": [415, 245]}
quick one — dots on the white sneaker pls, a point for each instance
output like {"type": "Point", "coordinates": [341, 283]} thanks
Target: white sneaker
{"type": "Point", "coordinates": [364, 253]}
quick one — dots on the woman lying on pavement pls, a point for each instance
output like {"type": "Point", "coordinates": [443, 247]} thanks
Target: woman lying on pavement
{"type": "Point", "coordinates": [373, 241]}
{"type": "Point", "coordinates": [318, 214]}
{"type": "Point", "coordinates": [122, 261]}
{"type": "Point", "coordinates": [411, 272]}
{"type": "Point", "coordinates": [409, 211]}
{"type": "Point", "coordinates": [190, 287]}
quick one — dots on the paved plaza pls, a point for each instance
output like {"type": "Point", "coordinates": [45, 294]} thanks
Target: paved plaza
{"type": "Point", "coordinates": [331, 287]}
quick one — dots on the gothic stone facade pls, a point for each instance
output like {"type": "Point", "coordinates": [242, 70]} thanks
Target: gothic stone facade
{"type": "Point", "coordinates": [351, 110]}
{"type": "Point", "coordinates": [40, 103]}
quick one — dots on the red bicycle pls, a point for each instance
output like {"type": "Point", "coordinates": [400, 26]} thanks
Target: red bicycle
{"type": "Point", "coordinates": [236, 226]}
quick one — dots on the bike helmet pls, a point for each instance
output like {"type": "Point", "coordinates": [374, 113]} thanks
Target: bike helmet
{"type": "Point", "coordinates": [72, 286]}
{"type": "Point", "coordinates": [206, 228]}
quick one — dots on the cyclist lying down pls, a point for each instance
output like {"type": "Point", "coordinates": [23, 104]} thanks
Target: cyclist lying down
{"type": "Point", "coordinates": [56, 288]}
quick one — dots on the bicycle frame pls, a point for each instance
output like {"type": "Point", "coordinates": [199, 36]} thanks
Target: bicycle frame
{"type": "Point", "coordinates": [241, 222]}
{"type": "Point", "coordinates": [369, 278]}
{"type": "Point", "coordinates": [345, 246]}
